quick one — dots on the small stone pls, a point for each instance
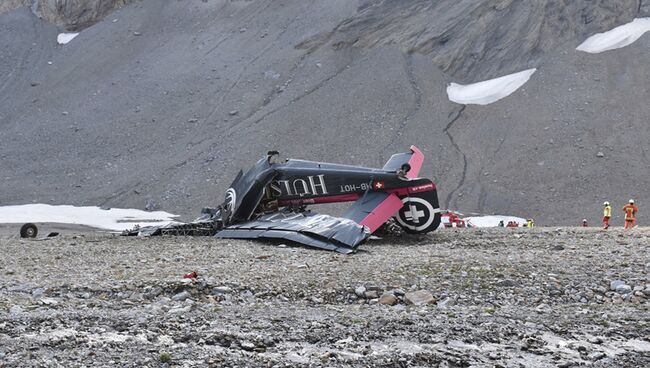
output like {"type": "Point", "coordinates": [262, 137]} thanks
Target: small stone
{"type": "Point", "coordinates": [600, 154]}
{"type": "Point", "coordinates": [388, 299]}
{"type": "Point", "coordinates": [419, 297]}
{"type": "Point", "coordinates": [181, 296]}
{"type": "Point", "coordinates": [221, 290]}
{"type": "Point", "coordinates": [398, 292]}
{"type": "Point", "coordinates": [247, 345]}
{"type": "Point", "coordinates": [193, 120]}
{"type": "Point", "coordinates": [137, 34]}
{"type": "Point", "coordinates": [646, 291]}
{"type": "Point", "coordinates": [49, 301]}
{"type": "Point", "coordinates": [180, 310]}
{"type": "Point", "coordinates": [154, 292]}
{"type": "Point", "coordinates": [16, 309]}
{"type": "Point", "coordinates": [34, 84]}
{"type": "Point", "coordinates": [247, 294]}
{"type": "Point", "coordinates": [37, 293]}
{"type": "Point", "coordinates": [233, 112]}
{"type": "Point", "coordinates": [596, 356]}
{"type": "Point", "coordinates": [371, 294]}
{"type": "Point", "coordinates": [446, 303]}
{"type": "Point", "coordinates": [64, 113]}
{"type": "Point", "coordinates": [282, 246]}
{"type": "Point", "coordinates": [623, 289]}
{"type": "Point", "coordinates": [616, 283]}
{"type": "Point", "coordinates": [360, 291]}
{"type": "Point", "coordinates": [506, 283]}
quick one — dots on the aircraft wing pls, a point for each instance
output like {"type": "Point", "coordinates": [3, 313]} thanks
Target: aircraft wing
{"type": "Point", "coordinates": [320, 231]}
{"type": "Point", "coordinates": [373, 209]}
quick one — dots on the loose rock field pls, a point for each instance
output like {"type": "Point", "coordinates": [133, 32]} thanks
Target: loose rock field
{"type": "Point", "coordinates": [474, 298]}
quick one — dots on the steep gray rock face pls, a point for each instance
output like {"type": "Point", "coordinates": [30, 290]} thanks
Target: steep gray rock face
{"type": "Point", "coordinates": [476, 40]}
{"type": "Point", "coordinates": [167, 104]}
{"type": "Point", "coordinates": [8, 5]}
{"type": "Point", "coordinates": [71, 15]}
{"type": "Point", "coordinates": [75, 15]}
{"type": "Point", "coordinates": [644, 8]}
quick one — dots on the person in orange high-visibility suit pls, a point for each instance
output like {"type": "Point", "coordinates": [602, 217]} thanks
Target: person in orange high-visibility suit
{"type": "Point", "coordinates": [607, 214]}
{"type": "Point", "coordinates": [630, 214]}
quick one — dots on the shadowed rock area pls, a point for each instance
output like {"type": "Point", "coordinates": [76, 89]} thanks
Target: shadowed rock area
{"type": "Point", "coordinates": [478, 40]}
{"type": "Point", "coordinates": [164, 101]}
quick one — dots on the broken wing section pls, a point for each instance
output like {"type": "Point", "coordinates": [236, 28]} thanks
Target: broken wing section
{"type": "Point", "coordinates": [320, 231]}
{"type": "Point", "coordinates": [373, 209]}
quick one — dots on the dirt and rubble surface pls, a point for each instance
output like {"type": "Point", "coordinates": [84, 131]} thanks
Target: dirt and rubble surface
{"type": "Point", "coordinates": [500, 298]}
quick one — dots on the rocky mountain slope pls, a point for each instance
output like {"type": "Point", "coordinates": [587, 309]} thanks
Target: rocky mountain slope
{"type": "Point", "coordinates": [163, 101]}
{"type": "Point", "coordinates": [71, 15]}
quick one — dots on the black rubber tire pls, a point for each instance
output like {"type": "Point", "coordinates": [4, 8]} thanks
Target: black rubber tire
{"type": "Point", "coordinates": [28, 231]}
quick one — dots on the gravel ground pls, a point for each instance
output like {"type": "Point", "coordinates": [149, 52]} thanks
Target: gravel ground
{"type": "Point", "coordinates": [499, 298]}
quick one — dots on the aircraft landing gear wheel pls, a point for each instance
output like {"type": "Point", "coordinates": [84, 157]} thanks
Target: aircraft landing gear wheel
{"type": "Point", "coordinates": [28, 231]}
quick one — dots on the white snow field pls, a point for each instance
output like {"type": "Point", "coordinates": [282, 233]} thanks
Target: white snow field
{"type": "Point", "coordinates": [489, 91]}
{"type": "Point", "coordinates": [616, 38]}
{"type": "Point", "coordinates": [117, 219]}
{"type": "Point", "coordinates": [492, 221]}
{"type": "Point", "coordinates": [64, 38]}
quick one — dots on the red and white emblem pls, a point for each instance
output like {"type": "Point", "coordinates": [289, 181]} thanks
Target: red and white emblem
{"type": "Point", "coordinates": [378, 185]}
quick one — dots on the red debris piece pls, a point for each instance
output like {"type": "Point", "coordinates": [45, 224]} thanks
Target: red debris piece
{"type": "Point", "coordinates": [191, 275]}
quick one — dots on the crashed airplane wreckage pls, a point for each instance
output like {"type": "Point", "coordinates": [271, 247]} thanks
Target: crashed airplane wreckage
{"type": "Point", "coordinates": [270, 200]}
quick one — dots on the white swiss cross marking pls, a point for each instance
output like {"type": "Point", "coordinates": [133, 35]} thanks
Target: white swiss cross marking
{"type": "Point", "coordinates": [413, 214]}
{"type": "Point", "coordinates": [379, 185]}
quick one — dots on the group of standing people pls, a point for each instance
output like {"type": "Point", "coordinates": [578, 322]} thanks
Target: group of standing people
{"type": "Point", "coordinates": [630, 210]}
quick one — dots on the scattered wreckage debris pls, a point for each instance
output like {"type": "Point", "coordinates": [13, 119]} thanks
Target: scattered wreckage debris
{"type": "Point", "coordinates": [270, 201]}
{"type": "Point", "coordinates": [452, 219]}
{"type": "Point", "coordinates": [30, 231]}
{"type": "Point", "coordinates": [192, 275]}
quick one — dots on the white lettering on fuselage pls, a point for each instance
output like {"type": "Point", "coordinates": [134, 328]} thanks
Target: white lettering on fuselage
{"type": "Point", "coordinates": [314, 185]}
{"type": "Point", "coordinates": [346, 188]}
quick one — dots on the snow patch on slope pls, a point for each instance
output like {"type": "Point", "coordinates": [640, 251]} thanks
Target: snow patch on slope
{"type": "Point", "coordinates": [489, 91]}
{"type": "Point", "coordinates": [492, 221]}
{"type": "Point", "coordinates": [64, 38]}
{"type": "Point", "coordinates": [616, 38]}
{"type": "Point", "coordinates": [111, 219]}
